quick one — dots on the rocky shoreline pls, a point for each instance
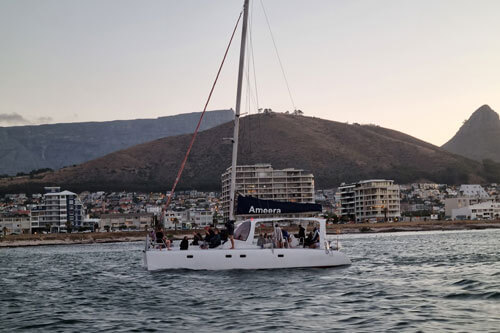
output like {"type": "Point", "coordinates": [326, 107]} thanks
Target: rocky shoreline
{"type": "Point", "coordinates": [135, 236]}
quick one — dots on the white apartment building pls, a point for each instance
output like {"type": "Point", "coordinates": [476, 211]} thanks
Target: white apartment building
{"type": "Point", "coordinates": [482, 211]}
{"type": "Point", "coordinates": [15, 224]}
{"type": "Point", "coordinates": [264, 182]}
{"type": "Point", "coordinates": [175, 219]}
{"type": "Point", "coordinates": [137, 221]}
{"type": "Point", "coordinates": [200, 217]}
{"type": "Point", "coordinates": [56, 210]}
{"type": "Point", "coordinates": [372, 200]}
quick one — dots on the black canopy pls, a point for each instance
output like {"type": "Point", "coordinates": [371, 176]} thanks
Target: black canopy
{"type": "Point", "coordinates": [248, 205]}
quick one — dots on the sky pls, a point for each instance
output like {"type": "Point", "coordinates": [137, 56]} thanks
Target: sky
{"type": "Point", "coordinates": [420, 67]}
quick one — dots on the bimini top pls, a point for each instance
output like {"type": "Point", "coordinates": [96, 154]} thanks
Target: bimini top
{"type": "Point", "coordinates": [245, 231]}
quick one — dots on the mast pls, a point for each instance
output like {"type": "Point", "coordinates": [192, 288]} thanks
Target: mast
{"type": "Point", "coordinates": [232, 190]}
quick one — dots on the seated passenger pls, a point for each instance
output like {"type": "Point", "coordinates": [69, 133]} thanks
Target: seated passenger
{"type": "Point", "coordinates": [261, 241]}
{"type": "Point", "coordinates": [209, 233]}
{"type": "Point", "coordinates": [184, 243]}
{"type": "Point", "coordinates": [215, 240]}
{"type": "Point", "coordinates": [292, 241]}
{"type": "Point", "coordinates": [315, 239]}
{"type": "Point", "coordinates": [196, 239]}
{"type": "Point", "coordinates": [308, 241]}
{"type": "Point", "coordinates": [161, 240]}
{"type": "Point", "coordinates": [285, 238]}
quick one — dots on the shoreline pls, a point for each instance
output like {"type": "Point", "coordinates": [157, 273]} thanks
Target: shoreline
{"type": "Point", "coordinates": [135, 236]}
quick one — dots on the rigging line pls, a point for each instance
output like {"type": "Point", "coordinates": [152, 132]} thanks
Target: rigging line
{"type": "Point", "coordinates": [277, 54]}
{"type": "Point", "coordinates": [179, 173]}
{"type": "Point", "coordinates": [253, 58]}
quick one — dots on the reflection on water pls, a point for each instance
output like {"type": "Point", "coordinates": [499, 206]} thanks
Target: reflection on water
{"type": "Point", "coordinates": [428, 281]}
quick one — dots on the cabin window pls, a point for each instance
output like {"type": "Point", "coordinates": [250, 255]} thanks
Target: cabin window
{"type": "Point", "coordinates": [243, 255]}
{"type": "Point", "coordinates": [281, 255]}
{"type": "Point", "coordinates": [242, 231]}
{"type": "Point", "coordinates": [228, 255]}
{"type": "Point", "coordinates": [190, 256]}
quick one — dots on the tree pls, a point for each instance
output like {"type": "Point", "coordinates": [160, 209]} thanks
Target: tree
{"type": "Point", "coordinates": [385, 213]}
{"type": "Point", "coordinates": [106, 227]}
{"type": "Point", "coordinates": [4, 229]}
{"type": "Point", "coordinates": [69, 227]}
{"type": "Point", "coordinates": [215, 218]}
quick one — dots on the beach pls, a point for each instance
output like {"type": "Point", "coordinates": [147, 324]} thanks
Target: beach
{"type": "Point", "coordinates": [134, 236]}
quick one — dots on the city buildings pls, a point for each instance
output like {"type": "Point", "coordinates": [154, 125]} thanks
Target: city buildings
{"type": "Point", "coordinates": [372, 200]}
{"type": "Point", "coordinates": [264, 182]}
{"type": "Point", "coordinates": [480, 211]}
{"type": "Point", "coordinates": [16, 224]}
{"type": "Point", "coordinates": [137, 221]}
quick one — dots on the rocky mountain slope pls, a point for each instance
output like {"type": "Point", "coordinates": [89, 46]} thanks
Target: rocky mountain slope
{"type": "Point", "coordinates": [479, 136]}
{"type": "Point", "coordinates": [335, 152]}
{"type": "Point", "coordinates": [25, 148]}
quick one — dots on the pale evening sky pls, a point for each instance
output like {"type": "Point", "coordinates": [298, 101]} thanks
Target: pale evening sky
{"type": "Point", "coordinates": [420, 67]}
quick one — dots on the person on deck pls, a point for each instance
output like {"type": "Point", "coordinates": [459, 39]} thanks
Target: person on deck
{"type": "Point", "coordinates": [261, 241]}
{"type": "Point", "coordinates": [161, 240]}
{"type": "Point", "coordinates": [302, 234]}
{"type": "Point", "coordinates": [230, 232]}
{"type": "Point", "coordinates": [184, 243]}
{"type": "Point", "coordinates": [215, 240]}
{"type": "Point", "coordinates": [277, 236]}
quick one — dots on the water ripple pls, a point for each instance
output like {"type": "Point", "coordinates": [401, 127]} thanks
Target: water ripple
{"type": "Point", "coordinates": [416, 282]}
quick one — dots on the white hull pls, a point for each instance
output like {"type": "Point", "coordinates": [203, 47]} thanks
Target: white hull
{"type": "Point", "coordinates": [225, 259]}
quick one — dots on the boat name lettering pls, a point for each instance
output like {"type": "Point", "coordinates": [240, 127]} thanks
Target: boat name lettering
{"type": "Point", "coordinates": [264, 210]}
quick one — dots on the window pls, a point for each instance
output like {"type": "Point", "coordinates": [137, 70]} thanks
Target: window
{"type": "Point", "coordinates": [242, 231]}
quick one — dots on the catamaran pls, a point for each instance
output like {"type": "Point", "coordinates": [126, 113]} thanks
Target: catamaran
{"type": "Point", "coordinates": [247, 253]}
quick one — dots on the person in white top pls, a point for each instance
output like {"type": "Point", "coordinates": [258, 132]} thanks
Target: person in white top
{"type": "Point", "coordinates": [277, 236]}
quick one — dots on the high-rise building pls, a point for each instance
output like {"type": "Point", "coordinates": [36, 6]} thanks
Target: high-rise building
{"type": "Point", "coordinates": [56, 210]}
{"type": "Point", "coordinates": [264, 182]}
{"type": "Point", "coordinates": [373, 200]}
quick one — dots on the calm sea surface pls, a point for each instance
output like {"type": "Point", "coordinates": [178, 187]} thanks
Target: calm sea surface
{"type": "Point", "coordinates": [425, 281]}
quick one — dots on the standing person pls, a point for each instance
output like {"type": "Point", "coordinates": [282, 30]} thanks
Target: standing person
{"type": "Point", "coordinates": [302, 234]}
{"type": "Point", "coordinates": [277, 236]}
{"type": "Point", "coordinates": [230, 232]}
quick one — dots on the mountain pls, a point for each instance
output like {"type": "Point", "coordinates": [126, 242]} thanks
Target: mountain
{"type": "Point", "coordinates": [479, 137]}
{"type": "Point", "coordinates": [335, 152]}
{"type": "Point", "coordinates": [25, 148]}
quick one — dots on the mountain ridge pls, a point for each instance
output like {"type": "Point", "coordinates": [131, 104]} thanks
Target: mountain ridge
{"type": "Point", "coordinates": [335, 152]}
{"type": "Point", "coordinates": [25, 148]}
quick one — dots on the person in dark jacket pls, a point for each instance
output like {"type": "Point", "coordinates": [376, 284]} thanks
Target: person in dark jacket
{"type": "Point", "coordinates": [184, 243]}
{"type": "Point", "coordinates": [215, 240]}
{"type": "Point", "coordinates": [196, 239]}
{"type": "Point", "coordinates": [301, 235]}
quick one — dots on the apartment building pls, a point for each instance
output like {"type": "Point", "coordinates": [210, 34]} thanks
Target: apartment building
{"type": "Point", "coordinates": [481, 211]}
{"type": "Point", "coordinates": [136, 221]}
{"type": "Point", "coordinates": [264, 182]}
{"type": "Point", "coordinates": [57, 208]}
{"type": "Point", "coordinates": [374, 200]}
{"type": "Point", "coordinates": [15, 224]}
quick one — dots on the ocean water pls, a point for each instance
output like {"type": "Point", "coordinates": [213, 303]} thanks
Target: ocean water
{"type": "Point", "coordinates": [398, 282]}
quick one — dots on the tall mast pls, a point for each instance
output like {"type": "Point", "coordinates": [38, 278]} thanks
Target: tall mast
{"type": "Point", "coordinates": [237, 111]}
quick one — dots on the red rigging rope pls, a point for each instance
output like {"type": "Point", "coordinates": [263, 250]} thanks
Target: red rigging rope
{"type": "Point", "coordinates": [179, 173]}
